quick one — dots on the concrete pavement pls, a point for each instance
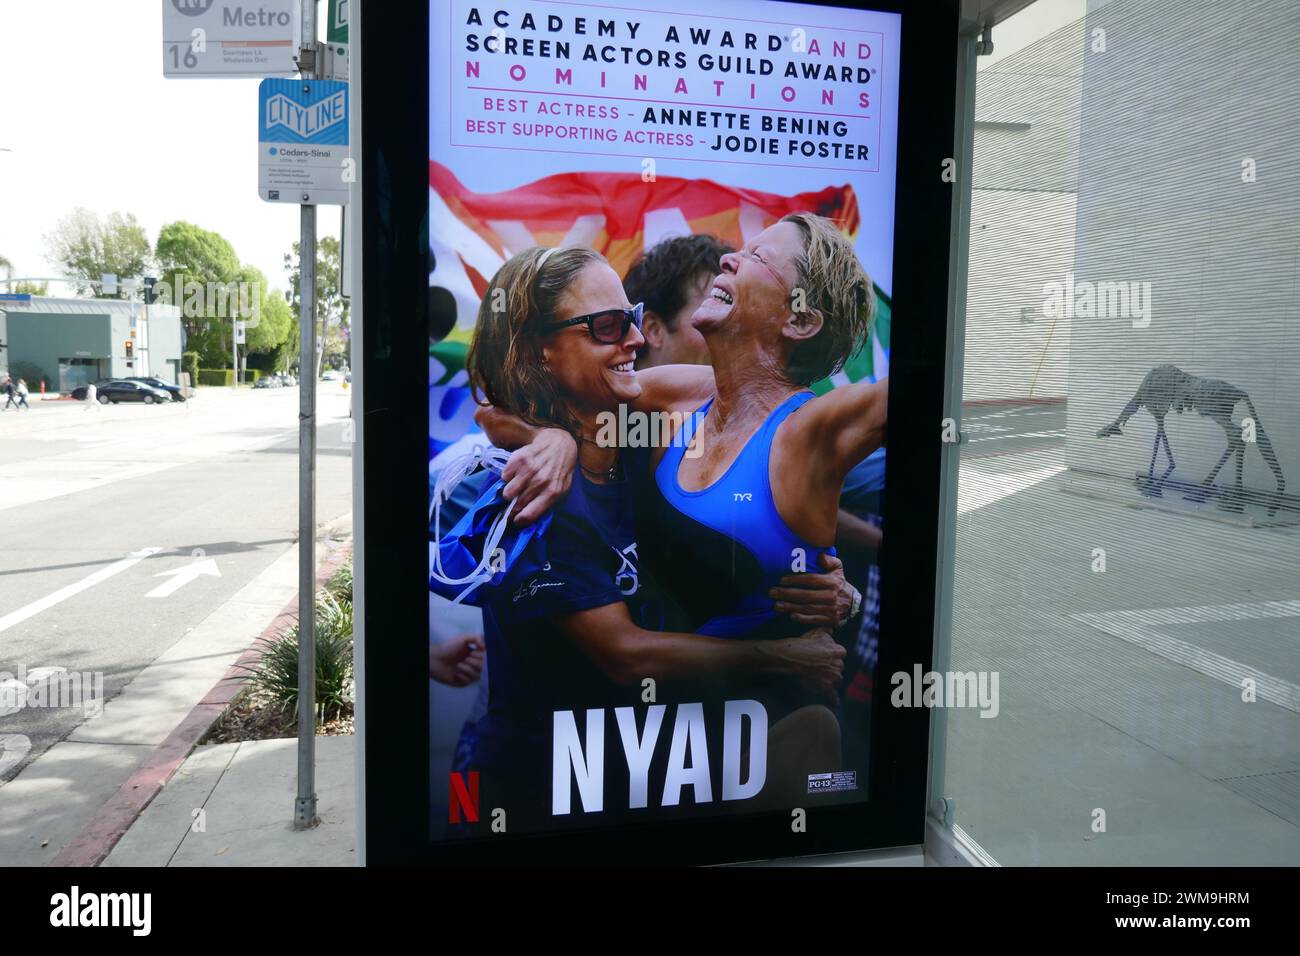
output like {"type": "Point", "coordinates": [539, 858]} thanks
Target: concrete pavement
{"type": "Point", "coordinates": [142, 493]}
{"type": "Point", "coordinates": [1122, 636]}
{"type": "Point", "coordinates": [213, 480]}
{"type": "Point", "coordinates": [232, 805]}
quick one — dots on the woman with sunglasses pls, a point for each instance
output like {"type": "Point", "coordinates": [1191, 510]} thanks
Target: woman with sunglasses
{"type": "Point", "coordinates": [750, 485]}
{"type": "Point", "coordinates": [553, 347]}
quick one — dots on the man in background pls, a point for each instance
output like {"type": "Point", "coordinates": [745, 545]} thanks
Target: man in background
{"type": "Point", "coordinates": [672, 279]}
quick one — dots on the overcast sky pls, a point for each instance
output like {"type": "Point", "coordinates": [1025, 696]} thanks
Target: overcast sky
{"type": "Point", "coordinates": [92, 122]}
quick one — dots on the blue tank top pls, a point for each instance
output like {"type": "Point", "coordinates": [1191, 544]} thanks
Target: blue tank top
{"type": "Point", "coordinates": [719, 549]}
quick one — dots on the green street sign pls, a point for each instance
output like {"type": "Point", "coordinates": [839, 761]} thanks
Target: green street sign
{"type": "Point", "coordinates": [337, 31]}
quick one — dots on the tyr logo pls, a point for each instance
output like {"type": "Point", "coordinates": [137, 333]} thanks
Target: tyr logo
{"type": "Point", "coordinates": [742, 496]}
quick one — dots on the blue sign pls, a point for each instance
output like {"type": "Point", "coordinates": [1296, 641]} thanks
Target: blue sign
{"type": "Point", "coordinates": [311, 112]}
{"type": "Point", "coordinates": [302, 133]}
{"type": "Point", "coordinates": [11, 297]}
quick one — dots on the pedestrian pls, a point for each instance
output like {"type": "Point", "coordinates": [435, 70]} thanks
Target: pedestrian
{"type": "Point", "coordinates": [7, 390]}
{"type": "Point", "coordinates": [22, 394]}
{"type": "Point", "coordinates": [90, 396]}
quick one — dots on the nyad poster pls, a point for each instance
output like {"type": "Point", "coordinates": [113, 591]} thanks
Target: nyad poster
{"type": "Point", "coordinates": [660, 260]}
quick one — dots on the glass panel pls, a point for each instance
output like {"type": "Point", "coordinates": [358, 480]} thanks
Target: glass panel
{"type": "Point", "coordinates": [1127, 547]}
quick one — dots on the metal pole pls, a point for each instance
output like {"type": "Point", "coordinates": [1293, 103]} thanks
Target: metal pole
{"type": "Point", "coordinates": [305, 805]}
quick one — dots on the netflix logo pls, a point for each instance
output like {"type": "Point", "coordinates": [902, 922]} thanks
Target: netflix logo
{"type": "Point", "coordinates": [462, 797]}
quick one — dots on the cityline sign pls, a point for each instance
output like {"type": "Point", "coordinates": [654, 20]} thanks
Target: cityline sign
{"type": "Point", "coordinates": [307, 120]}
{"type": "Point", "coordinates": [206, 38]}
{"type": "Point", "coordinates": [303, 141]}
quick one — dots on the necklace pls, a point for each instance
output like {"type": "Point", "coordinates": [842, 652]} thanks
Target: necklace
{"type": "Point", "coordinates": [609, 475]}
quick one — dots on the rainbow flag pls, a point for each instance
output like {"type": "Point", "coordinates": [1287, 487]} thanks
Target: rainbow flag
{"type": "Point", "coordinates": [471, 235]}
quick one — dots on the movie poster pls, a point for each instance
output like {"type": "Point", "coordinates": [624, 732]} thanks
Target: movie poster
{"type": "Point", "coordinates": [661, 236]}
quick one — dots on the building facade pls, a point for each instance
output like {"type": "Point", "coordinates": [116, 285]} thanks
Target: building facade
{"type": "Point", "coordinates": [70, 342]}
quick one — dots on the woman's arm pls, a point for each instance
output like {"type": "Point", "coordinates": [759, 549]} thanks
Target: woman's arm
{"type": "Point", "coordinates": [541, 467]}
{"type": "Point", "coordinates": [667, 388]}
{"type": "Point", "coordinates": [628, 654]}
{"type": "Point", "coordinates": [846, 425]}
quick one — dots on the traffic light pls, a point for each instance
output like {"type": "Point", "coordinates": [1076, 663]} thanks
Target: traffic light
{"type": "Point", "coordinates": [130, 348]}
{"type": "Point", "coordinates": [150, 295]}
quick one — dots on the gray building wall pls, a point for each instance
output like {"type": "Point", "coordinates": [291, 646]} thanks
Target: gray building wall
{"type": "Point", "coordinates": [165, 344]}
{"type": "Point", "coordinates": [42, 339]}
{"type": "Point", "coordinates": [1178, 100]}
{"type": "Point", "coordinates": [1024, 180]}
{"type": "Point", "coordinates": [53, 332]}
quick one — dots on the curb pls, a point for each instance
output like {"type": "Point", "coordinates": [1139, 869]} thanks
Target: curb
{"type": "Point", "coordinates": [98, 837]}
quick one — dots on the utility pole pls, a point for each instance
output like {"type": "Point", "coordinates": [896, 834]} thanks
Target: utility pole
{"type": "Point", "coordinates": [305, 804]}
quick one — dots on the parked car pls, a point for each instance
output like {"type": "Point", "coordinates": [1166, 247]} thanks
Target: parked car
{"type": "Point", "coordinates": [269, 381]}
{"type": "Point", "coordinates": [123, 390]}
{"type": "Point", "coordinates": [329, 375]}
{"type": "Point", "coordinates": [175, 391]}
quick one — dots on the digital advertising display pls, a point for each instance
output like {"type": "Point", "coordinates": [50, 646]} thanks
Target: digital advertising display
{"type": "Point", "coordinates": [683, 632]}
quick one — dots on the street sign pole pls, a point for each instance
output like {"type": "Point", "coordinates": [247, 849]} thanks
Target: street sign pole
{"type": "Point", "coordinates": [305, 805]}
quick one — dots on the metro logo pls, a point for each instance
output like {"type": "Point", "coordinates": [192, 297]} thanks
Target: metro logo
{"type": "Point", "coordinates": [192, 8]}
{"type": "Point", "coordinates": [462, 799]}
{"type": "Point", "coordinates": [308, 120]}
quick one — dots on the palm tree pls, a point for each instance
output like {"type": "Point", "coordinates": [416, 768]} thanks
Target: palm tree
{"type": "Point", "coordinates": [6, 267]}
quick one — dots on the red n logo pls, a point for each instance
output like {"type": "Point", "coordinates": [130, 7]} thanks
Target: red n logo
{"type": "Point", "coordinates": [462, 798]}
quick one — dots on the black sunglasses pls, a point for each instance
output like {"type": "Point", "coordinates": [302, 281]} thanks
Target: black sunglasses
{"type": "Point", "coordinates": [607, 327]}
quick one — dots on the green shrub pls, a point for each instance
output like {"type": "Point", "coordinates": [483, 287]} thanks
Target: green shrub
{"type": "Point", "coordinates": [340, 585]}
{"type": "Point", "coordinates": [251, 375]}
{"type": "Point", "coordinates": [216, 376]}
{"type": "Point", "coordinates": [276, 672]}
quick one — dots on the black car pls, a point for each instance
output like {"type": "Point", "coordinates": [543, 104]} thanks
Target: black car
{"type": "Point", "coordinates": [123, 390]}
{"type": "Point", "coordinates": [175, 391]}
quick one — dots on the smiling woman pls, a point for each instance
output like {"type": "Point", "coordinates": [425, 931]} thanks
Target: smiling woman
{"type": "Point", "coordinates": [567, 624]}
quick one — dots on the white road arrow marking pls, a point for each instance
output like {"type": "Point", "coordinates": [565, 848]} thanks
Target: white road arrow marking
{"type": "Point", "coordinates": [62, 594]}
{"type": "Point", "coordinates": [183, 576]}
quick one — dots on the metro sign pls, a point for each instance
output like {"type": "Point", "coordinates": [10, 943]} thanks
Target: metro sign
{"type": "Point", "coordinates": [305, 120]}
{"type": "Point", "coordinates": [230, 37]}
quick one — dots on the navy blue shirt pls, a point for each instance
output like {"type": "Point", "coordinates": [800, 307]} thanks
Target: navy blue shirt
{"type": "Point", "coordinates": [587, 558]}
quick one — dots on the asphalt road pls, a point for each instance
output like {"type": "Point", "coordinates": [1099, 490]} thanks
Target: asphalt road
{"type": "Point", "coordinates": [98, 505]}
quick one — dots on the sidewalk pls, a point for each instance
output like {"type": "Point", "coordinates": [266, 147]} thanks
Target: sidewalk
{"type": "Point", "coordinates": [232, 805]}
{"type": "Point", "coordinates": [72, 802]}
{"type": "Point", "coordinates": [1122, 684]}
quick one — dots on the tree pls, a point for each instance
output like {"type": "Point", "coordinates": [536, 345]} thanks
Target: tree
{"type": "Point", "coordinates": [333, 312]}
{"type": "Point", "coordinates": [23, 287]}
{"type": "Point", "coordinates": [188, 253]}
{"type": "Point", "coordinates": [87, 246]}
{"type": "Point", "coordinates": [274, 325]}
